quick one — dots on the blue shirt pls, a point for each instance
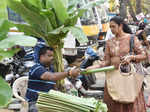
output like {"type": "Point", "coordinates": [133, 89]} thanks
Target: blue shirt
{"type": "Point", "coordinates": [39, 45]}
{"type": "Point", "coordinates": [36, 84]}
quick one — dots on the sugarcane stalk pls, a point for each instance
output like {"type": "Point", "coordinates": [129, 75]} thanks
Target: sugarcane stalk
{"type": "Point", "coordinates": [104, 69]}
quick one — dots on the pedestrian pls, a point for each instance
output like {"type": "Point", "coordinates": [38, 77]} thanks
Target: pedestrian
{"type": "Point", "coordinates": [148, 104]}
{"type": "Point", "coordinates": [142, 36]}
{"type": "Point", "coordinates": [42, 77]}
{"type": "Point", "coordinates": [116, 49]}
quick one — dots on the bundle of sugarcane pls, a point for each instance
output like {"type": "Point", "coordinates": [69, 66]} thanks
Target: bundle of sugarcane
{"type": "Point", "coordinates": [55, 101]}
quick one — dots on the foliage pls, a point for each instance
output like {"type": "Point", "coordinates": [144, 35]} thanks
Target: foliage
{"type": "Point", "coordinates": [14, 40]}
{"type": "Point", "coordinates": [5, 93]}
{"type": "Point", "coordinates": [61, 102]}
{"type": "Point", "coordinates": [3, 9]}
{"type": "Point", "coordinates": [8, 42]}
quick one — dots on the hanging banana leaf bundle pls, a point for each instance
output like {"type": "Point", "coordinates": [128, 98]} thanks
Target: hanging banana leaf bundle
{"type": "Point", "coordinates": [56, 101]}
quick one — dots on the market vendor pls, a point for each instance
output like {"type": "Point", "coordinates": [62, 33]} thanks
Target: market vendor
{"type": "Point", "coordinates": [42, 77]}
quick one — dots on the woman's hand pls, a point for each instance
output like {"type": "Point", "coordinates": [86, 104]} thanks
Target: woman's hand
{"type": "Point", "coordinates": [127, 59]}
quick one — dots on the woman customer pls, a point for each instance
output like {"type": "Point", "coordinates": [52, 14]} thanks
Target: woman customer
{"type": "Point", "coordinates": [116, 50]}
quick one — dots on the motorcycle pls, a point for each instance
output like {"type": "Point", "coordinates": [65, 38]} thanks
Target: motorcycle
{"type": "Point", "coordinates": [19, 65]}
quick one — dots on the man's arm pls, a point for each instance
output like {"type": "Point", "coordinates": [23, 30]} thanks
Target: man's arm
{"type": "Point", "coordinates": [54, 76]}
{"type": "Point", "coordinates": [59, 75]}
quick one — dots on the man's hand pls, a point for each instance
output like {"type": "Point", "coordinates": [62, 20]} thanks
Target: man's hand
{"type": "Point", "coordinates": [74, 72]}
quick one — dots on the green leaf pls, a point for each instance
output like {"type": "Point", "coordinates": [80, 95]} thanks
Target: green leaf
{"type": "Point", "coordinates": [29, 5]}
{"type": "Point", "coordinates": [77, 33]}
{"type": "Point", "coordinates": [60, 7]}
{"type": "Point", "coordinates": [1, 57]}
{"type": "Point", "coordinates": [4, 28]}
{"type": "Point", "coordinates": [3, 9]}
{"type": "Point", "coordinates": [51, 16]}
{"type": "Point", "coordinates": [36, 3]}
{"type": "Point", "coordinates": [56, 31]}
{"type": "Point", "coordinates": [29, 30]}
{"type": "Point", "coordinates": [17, 40]}
{"type": "Point", "coordinates": [72, 20]}
{"type": "Point", "coordinates": [8, 54]}
{"type": "Point", "coordinates": [30, 16]}
{"type": "Point", "coordinates": [49, 4]}
{"type": "Point", "coordinates": [72, 5]}
{"type": "Point", "coordinates": [5, 93]}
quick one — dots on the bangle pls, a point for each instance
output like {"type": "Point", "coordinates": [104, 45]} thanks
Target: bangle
{"type": "Point", "coordinates": [70, 73]}
{"type": "Point", "coordinates": [134, 58]}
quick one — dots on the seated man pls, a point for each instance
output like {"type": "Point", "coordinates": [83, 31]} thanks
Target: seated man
{"type": "Point", "coordinates": [42, 77]}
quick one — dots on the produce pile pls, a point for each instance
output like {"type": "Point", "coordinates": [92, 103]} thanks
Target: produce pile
{"type": "Point", "coordinates": [56, 101]}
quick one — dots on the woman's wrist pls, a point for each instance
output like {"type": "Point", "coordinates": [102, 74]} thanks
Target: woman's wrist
{"type": "Point", "coordinates": [133, 57]}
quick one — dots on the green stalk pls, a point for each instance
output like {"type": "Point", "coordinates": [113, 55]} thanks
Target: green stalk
{"type": "Point", "coordinates": [104, 69]}
{"type": "Point", "coordinates": [58, 63]}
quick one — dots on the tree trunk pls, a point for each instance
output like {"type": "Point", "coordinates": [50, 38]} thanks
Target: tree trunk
{"type": "Point", "coordinates": [131, 11]}
{"type": "Point", "coordinates": [123, 8]}
{"type": "Point", "coordinates": [138, 6]}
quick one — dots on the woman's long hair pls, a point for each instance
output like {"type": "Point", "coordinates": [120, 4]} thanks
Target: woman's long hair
{"type": "Point", "coordinates": [119, 20]}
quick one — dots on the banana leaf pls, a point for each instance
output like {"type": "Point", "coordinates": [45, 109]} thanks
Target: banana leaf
{"type": "Point", "coordinates": [49, 4]}
{"type": "Point", "coordinates": [5, 93]}
{"type": "Point", "coordinates": [104, 69]}
{"type": "Point", "coordinates": [36, 3]}
{"type": "Point", "coordinates": [4, 28]}
{"type": "Point", "coordinates": [7, 54]}
{"type": "Point", "coordinates": [30, 16]}
{"type": "Point", "coordinates": [78, 33]}
{"type": "Point", "coordinates": [3, 10]}
{"type": "Point", "coordinates": [29, 30]}
{"type": "Point", "coordinates": [72, 5]}
{"type": "Point", "coordinates": [60, 8]}
{"type": "Point", "coordinates": [17, 40]}
{"type": "Point", "coordinates": [72, 20]}
{"type": "Point", "coordinates": [58, 101]}
{"type": "Point", "coordinates": [29, 5]}
{"type": "Point", "coordinates": [63, 102]}
{"type": "Point", "coordinates": [51, 16]}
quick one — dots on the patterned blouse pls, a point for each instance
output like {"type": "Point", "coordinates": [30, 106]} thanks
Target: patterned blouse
{"type": "Point", "coordinates": [117, 48]}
